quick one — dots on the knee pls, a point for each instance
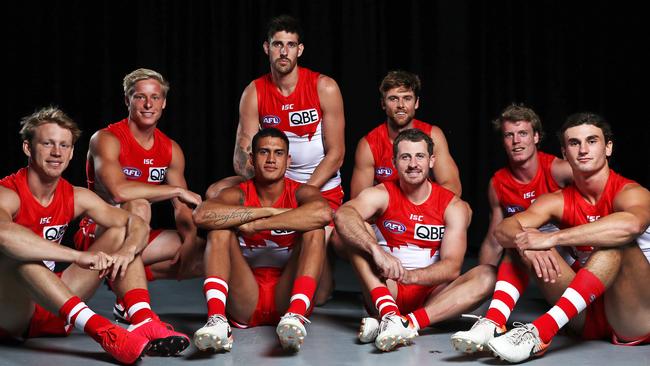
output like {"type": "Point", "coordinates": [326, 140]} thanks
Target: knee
{"type": "Point", "coordinates": [140, 207]}
{"type": "Point", "coordinates": [485, 277]}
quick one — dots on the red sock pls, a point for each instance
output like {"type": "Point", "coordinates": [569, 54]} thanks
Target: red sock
{"type": "Point", "coordinates": [384, 301]}
{"type": "Point", "coordinates": [301, 295]}
{"type": "Point", "coordinates": [138, 305]}
{"type": "Point", "coordinates": [74, 311]}
{"type": "Point", "coordinates": [511, 283]}
{"type": "Point", "coordinates": [419, 318]}
{"type": "Point", "coordinates": [582, 291]}
{"type": "Point", "coordinates": [216, 293]}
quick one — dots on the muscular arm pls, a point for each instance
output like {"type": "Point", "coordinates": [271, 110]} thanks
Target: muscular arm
{"type": "Point", "coordinates": [452, 248]}
{"type": "Point", "coordinates": [444, 170]}
{"type": "Point", "coordinates": [105, 151]}
{"type": "Point", "coordinates": [89, 204]}
{"type": "Point", "coordinates": [333, 126]}
{"type": "Point", "coordinates": [176, 177]}
{"type": "Point", "coordinates": [20, 243]}
{"type": "Point", "coordinates": [491, 251]}
{"type": "Point", "coordinates": [561, 172]}
{"type": "Point", "coordinates": [351, 217]}
{"type": "Point", "coordinates": [247, 128]}
{"type": "Point", "coordinates": [227, 211]}
{"type": "Point", "coordinates": [363, 175]}
{"type": "Point", "coordinates": [312, 213]}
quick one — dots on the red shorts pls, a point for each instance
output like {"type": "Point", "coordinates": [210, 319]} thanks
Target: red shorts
{"type": "Point", "coordinates": [412, 297]}
{"type": "Point", "coordinates": [597, 326]}
{"type": "Point", "coordinates": [265, 313]}
{"type": "Point", "coordinates": [42, 324]}
{"type": "Point", "coordinates": [85, 237]}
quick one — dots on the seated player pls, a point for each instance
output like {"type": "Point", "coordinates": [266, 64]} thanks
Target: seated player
{"type": "Point", "coordinates": [266, 245]}
{"type": "Point", "coordinates": [411, 263]}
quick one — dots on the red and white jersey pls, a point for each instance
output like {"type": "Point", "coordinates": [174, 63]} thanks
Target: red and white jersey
{"type": "Point", "coordinates": [138, 164]}
{"type": "Point", "coordinates": [271, 248]}
{"type": "Point", "coordinates": [577, 211]}
{"type": "Point", "coordinates": [48, 222]}
{"type": "Point", "coordinates": [300, 117]}
{"type": "Point", "coordinates": [515, 196]}
{"type": "Point", "coordinates": [381, 147]}
{"type": "Point", "coordinates": [411, 232]}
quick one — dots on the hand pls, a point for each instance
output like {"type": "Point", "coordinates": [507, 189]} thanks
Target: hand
{"type": "Point", "coordinates": [534, 239]}
{"type": "Point", "coordinates": [121, 261]}
{"type": "Point", "coordinates": [247, 229]}
{"type": "Point", "coordinates": [96, 261]}
{"type": "Point", "coordinates": [388, 265]}
{"type": "Point", "coordinates": [544, 263]}
{"type": "Point", "coordinates": [190, 198]}
{"type": "Point", "coordinates": [409, 277]}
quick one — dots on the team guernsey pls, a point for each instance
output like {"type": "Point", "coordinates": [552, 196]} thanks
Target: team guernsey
{"type": "Point", "coordinates": [411, 232]}
{"type": "Point", "coordinates": [577, 211]}
{"type": "Point", "coordinates": [48, 222]}
{"type": "Point", "coordinates": [300, 117]}
{"type": "Point", "coordinates": [270, 248]}
{"type": "Point", "coordinates": [381, 147]}
{"type": "Point", "coordinates": [138, 164]}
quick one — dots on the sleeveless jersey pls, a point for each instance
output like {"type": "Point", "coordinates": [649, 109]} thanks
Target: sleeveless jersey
{"type": "Point", "coordinates": [577, 211]}
{"type": "Point", "coordinates": [382, 150]}
{"type": "Point", "coordinates": [138, 164]}
{"type": "Point", "coordinates": [411, 232]}
{"type": "Point", "coordinates": [299, 116]}
{"type": "Point", "coordinates": [48, 222]}
{"type": "Point", "coordinates": [270, 248]}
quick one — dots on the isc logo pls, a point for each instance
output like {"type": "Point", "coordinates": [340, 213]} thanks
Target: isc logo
{"type": "Point", "coordinates": [282, 232]}
{"type": "Point", "coordinates": [304, 117]}
{"type": "Point", "coordinates": [429, 232]}
{"type": "Point", "coordinates": [132, 173]}
{"type": "Point", "coordinates": [157, 174]}
{"type": "Point", "coordinates": [54, 233]}
{"type": "Point", "coordinates": [270, 120]}
{"type": "Point", "coordinates": [394, 226]}
{"type": "Point", "coordinates": [384, 171]}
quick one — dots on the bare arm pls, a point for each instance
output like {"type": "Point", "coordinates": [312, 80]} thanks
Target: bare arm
{"type": "Point", "coordinates": [363, 175]}
{"type": "Point", "coordinates": [227, 211]}
{"type": "Point", "coordinates": [444, 170]}
{"type": "Point", "coordinates": [248, 126]}
{"type": "Point", "coordinates": [312, 213]}
{"type": "Point", "coordinates": [491, 251]}
{"type": "Point", "coordinates": [632, 217]}
{"type": "Point", "coordinates": [176, 177]}
{"type": "Point", "coordinates": [561, 172]}
{"type": "Point", "coordinates": [333, 126]}
{"type": "Point", "coordinates": [105, 151]}
{"type": "Point", "coordinates": [21, 244]}
{"type": "Point", "coordinates": [351, 217]}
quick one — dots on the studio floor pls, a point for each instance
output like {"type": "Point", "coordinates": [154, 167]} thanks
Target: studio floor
{"type": "Point", "coordinates": [331, 337]}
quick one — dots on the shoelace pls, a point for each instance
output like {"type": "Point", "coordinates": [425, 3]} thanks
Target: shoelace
{"type": "Point", "coordinates": [108, 331]}
{"type": "Point", "coordinates": [389, 317]}
{"type": "Point", "coordinates": [520, 333]}
{"type": "Point", "coordinates": [215, 319]}
{"type": "Point", "coordinates": [298, 316]}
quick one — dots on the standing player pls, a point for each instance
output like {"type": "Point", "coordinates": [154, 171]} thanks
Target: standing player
{"type": "Point", "coordinates": [266, 246]}
{"type": "Point", "coordinates": [374, 155]}
{"type": "Point", "coordinates": [36, 207]}
{"type": "Point", "coordinates": [411, 263]}
{"type": "Point", "coordinates": [600, 216]}
{"type": "Point", "coordinates": [529, 174]}
{"type": "Point", "coordinates": [131, 163]}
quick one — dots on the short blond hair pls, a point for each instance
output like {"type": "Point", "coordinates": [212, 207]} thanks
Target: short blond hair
{"type": "Point", "coordinates": [143, 74]}
{"type": "Point", "coordinates": [45, 115]}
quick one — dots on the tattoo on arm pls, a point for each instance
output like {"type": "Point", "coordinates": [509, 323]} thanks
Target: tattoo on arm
{"type": "Point", "coordinates": [241, 162]}
{"type": "Point", "coordinates": [244, 215]}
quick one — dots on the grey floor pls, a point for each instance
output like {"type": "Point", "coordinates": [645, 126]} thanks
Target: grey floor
{"type": "Point", "coordinates": [331, 338]}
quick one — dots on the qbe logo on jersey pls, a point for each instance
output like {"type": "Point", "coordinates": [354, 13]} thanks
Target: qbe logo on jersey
{"type": "Point", "coordinates": [54, 233]}
{"type": "Point", "coordinates": [157, 174]}
{"type": "Point", "coordinates": [304, 117]}
{"type": "Point", "coordinates": [429, 232]}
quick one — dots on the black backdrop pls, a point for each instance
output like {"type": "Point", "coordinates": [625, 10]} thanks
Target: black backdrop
{"type": "Point", "coordinates": [474, 57]}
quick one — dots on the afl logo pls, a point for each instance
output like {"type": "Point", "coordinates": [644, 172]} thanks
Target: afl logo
{"type": "Point", "coordinates": [394, 226]}
{"type": "Point", "coordinates": [131, 172]}
{"type": "Point", "coordinates": [270, 120]}
{"type": "Point", "coordinates": [384, 171]}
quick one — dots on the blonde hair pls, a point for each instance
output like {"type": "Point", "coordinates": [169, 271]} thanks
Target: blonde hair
{"type": "Point", "coordinates": [45, 115]}
{"type": "Point", "coordinates": [143, 74]}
